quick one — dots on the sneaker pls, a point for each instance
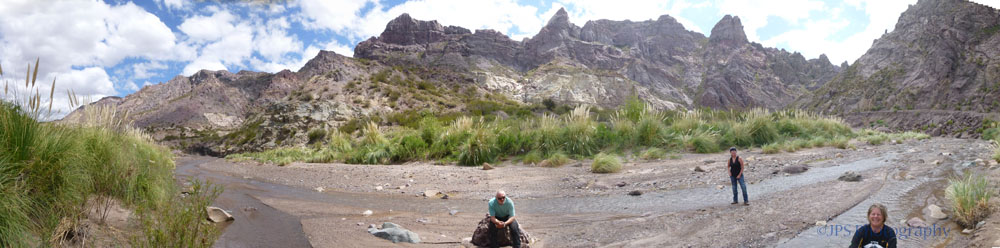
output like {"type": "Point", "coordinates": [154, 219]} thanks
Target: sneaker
{"type": "Point", "coordinates": [734, 203]}
{"type": "Point", "coordinates": [746, 203]}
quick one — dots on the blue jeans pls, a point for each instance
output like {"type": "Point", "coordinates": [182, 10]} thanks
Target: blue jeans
{"type": "Point", "coordinates": [743, 186]}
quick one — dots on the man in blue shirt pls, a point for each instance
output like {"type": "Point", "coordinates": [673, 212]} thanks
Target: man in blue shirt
{"type": "Point", "coordinates": [502, 217]}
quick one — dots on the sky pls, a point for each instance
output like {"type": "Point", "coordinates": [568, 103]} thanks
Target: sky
{"type": "Point", "coordinates": [116, 47]}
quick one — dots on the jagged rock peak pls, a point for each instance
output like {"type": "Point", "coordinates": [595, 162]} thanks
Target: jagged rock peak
{"type": "Point", "coordinates": [729, 30]}
{"type": "Point", "coordinates": [561, 18]}
{"type": "Point", "coordinates": [404, 30]}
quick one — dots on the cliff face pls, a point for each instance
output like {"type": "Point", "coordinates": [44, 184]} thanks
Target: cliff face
{"type": "Point", "coordinates": [604, 61]}
{"type": "Point", "coordinates": [942, 55]}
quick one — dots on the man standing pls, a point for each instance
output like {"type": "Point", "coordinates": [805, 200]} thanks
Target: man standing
{"type": "Point", "coordinates": [736, 166]}
{"type": "Point", "coordinates": [502, 218]}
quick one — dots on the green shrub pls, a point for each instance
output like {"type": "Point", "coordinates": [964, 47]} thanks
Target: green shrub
{"type": "Point", "coordinates": [511, 141]}
{"type": "Point", "coordinates": [991, 133]}
{"type": "Point", "coordinates": [817, 142]}
{"type": "Point", "coordinates": [411, 147]}
{"type": "Point", "coordinates": [876, 139]}
{"type": "Point", "coordinates": [653, 153]}
{"type": "Point", "coordinates": [606, 163]}
{"type": "Point", "coordinates": [704, 143]}
{"type": "Point", "coordinates": [180, 222]}
{"type": "Point", "coordinates": [316, 135]}
{"type": "Point", "coordinates": [772, 148]}
{"type": "Point", "coordinates": [840, 142]}
{"type": "Point", "coordinates": [478, 149]}
{"type": "Point", "coordinates": [533, 157]}
{"type": "Point", "coordinates": [557, 159]}
{"type": "Point", "coordinates": [971, 199]}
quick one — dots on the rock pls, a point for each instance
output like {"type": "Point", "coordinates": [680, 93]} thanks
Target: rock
{"type": "Point", "coordinates": [395, 233]}
{"type": "Point", "coordinates": [487, 166]}
{"type": "Point", "coordinates": [444, 197]}
{"type": "Point", "coordinates": [840, 155]}
{"type": "Point", "coordinates": [431, 192]}
{"type": "Point", "coordinates": [935, 212]}
{"type": "Point", "coordinates": [980, 224]}
{"type": "Point", "coordinates": [218, 215]}
{"type": "Point", "coordinates": [480, 237]}
{"type": "Point", "coordinates": [945, 154]}
{"type": "Point", "coordinates": [698, 169]}
{"type": "Point", "coordinates": [319, 189]}
{"type": "Point", "coordinates": [968, 164]}
{"type": "Point", "coordinates": [821, 223]}
{"type": "Point", "coordinates": [367, 213]}
{"type": "Point", "coordinates": [795, 169]}
{"type": "Point", "coordinates": [980, 162]}
{"type": "Point", "coordinates": [423, 220]}
{"type": "Point", "coordinates": [401, 187]}
{"type": "Point", "coordinates": [620, 184]}
{"type": "Point", "coordinates": [911, 150]}
{"type": "Point", "coordinates": [916, 222]}
{"type": "Point", "coordinates": [936, 162]}
{"type": "Point", "coordinates": [378, 188]}
{"type": "Point", "coordinates": [708, 161]}
{"type": "Point", "coordinates": [360, 223]}
{"type": "Point", "coordinates": [720, 186]}
{"type": "Point", "coordinates": [909, 177]}
{"type": "Point", "coordinates": [635, 193]}
{"type": "Point", "coordinates": [967, 231]}
{"type": "Point", "coordinates": [467, 240]}
{"type": "Point", "coordinates": [452, 212]}
{"type": "Point", "coordinates": [850, 176]}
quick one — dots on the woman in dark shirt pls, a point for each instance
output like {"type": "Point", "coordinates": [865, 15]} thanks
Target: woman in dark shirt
{"type": "Point", "coordinates": [876, 234]}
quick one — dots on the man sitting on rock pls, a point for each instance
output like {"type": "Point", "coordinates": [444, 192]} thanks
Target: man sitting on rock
{"type": "Point", "coordinates": [502, 217]}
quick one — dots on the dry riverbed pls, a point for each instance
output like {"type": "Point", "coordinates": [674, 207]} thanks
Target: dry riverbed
{"type": "Point", "coordinates": [322, 204]}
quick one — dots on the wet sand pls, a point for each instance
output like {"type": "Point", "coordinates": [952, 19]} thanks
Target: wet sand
{"type": "Point", "coordinates": [571, 207]}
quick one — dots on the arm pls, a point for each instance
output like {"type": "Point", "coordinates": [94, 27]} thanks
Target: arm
{"type": "Point", "coordinates": [856, 241]}
{"type": "Point", "coordinates": [892, 240]}
{"type": "Point", "coordinates": [743, 166]}
{"type": "Point", "coordinates": [493, 213]}
{"type": "Point", "coordinates": [512, 214]}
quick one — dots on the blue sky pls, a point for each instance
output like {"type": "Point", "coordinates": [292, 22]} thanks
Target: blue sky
{"type": "Point", "coordinates": [116, 47]}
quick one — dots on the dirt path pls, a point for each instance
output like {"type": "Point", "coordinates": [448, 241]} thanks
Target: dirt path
{"type": "Point", "coordinates": [570, 207]}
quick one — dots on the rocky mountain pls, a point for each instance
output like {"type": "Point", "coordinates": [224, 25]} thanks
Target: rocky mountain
{"type": "Point", "coordinates": [605, 61]}
{"type": "Point", "coordinates": [938, 71]}
{"type": "Point", "coordinates": [416, 66]}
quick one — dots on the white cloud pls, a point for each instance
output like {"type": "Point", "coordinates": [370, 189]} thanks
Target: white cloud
{"type": "Point", "coordinates": [76, 40]}
{"type": "Point", "coordinates": [273, 41]}
{"type": "Point", "coordinates": [174, 4]}
{"type": "Point", "coordinates": [145, 70]}
{"type": "Point", "coordinates": [208, 28]}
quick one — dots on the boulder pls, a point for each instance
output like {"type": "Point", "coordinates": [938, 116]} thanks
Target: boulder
{"type": "Point", "coordinates": [698, 169]}
{"type": "Point", "coordinates": [395, 233]}
{"type": "Point", "coordinates": [635, 193]}
{"type": "Point", "coordinates": [481, 237]}
{"type": "Point", "coordinates": [935, 212]}
{"type": "Point", "coordinates": [487, 166]}
{"type": "Point", "coordinates": [916, 222]}
{"type": "Point", "coordinates": [850, 176]}
{"type": "Point", "coordinates": [795, 169]}
{"type": "Point", "coordinates": [218, 215]}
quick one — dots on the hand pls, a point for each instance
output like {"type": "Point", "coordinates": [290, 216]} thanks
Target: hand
{"type": "Point", "coordinates": [499, 224]}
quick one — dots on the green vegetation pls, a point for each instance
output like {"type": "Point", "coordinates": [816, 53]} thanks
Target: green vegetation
{"type": "Point", "coordinates": [49, 171]}
{"type": "Point", "coordinates": [556, 160]}
{"type": "Point", "coordinates": [653, 153]}
{"type": "Point", "coordinates": [606, 163]}
{"type": "Point", "coordinates": [579, 133]}
{"type": "Point", "coordinates": [877, 138]}
{"type": "Point", "coordinates": [970, 197]}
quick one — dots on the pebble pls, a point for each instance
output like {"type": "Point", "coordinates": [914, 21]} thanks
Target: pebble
{"type": "Point", "coordinates": [367, 213]}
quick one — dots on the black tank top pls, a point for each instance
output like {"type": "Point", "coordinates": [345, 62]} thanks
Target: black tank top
{"type": "Point", "coordinates": [734, 166]}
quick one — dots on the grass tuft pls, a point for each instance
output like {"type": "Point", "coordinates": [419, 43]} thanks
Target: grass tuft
{"type": "Point", "coordinates": [606, 163]}
{"type": "Point", "coordinates": [970, 197]}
